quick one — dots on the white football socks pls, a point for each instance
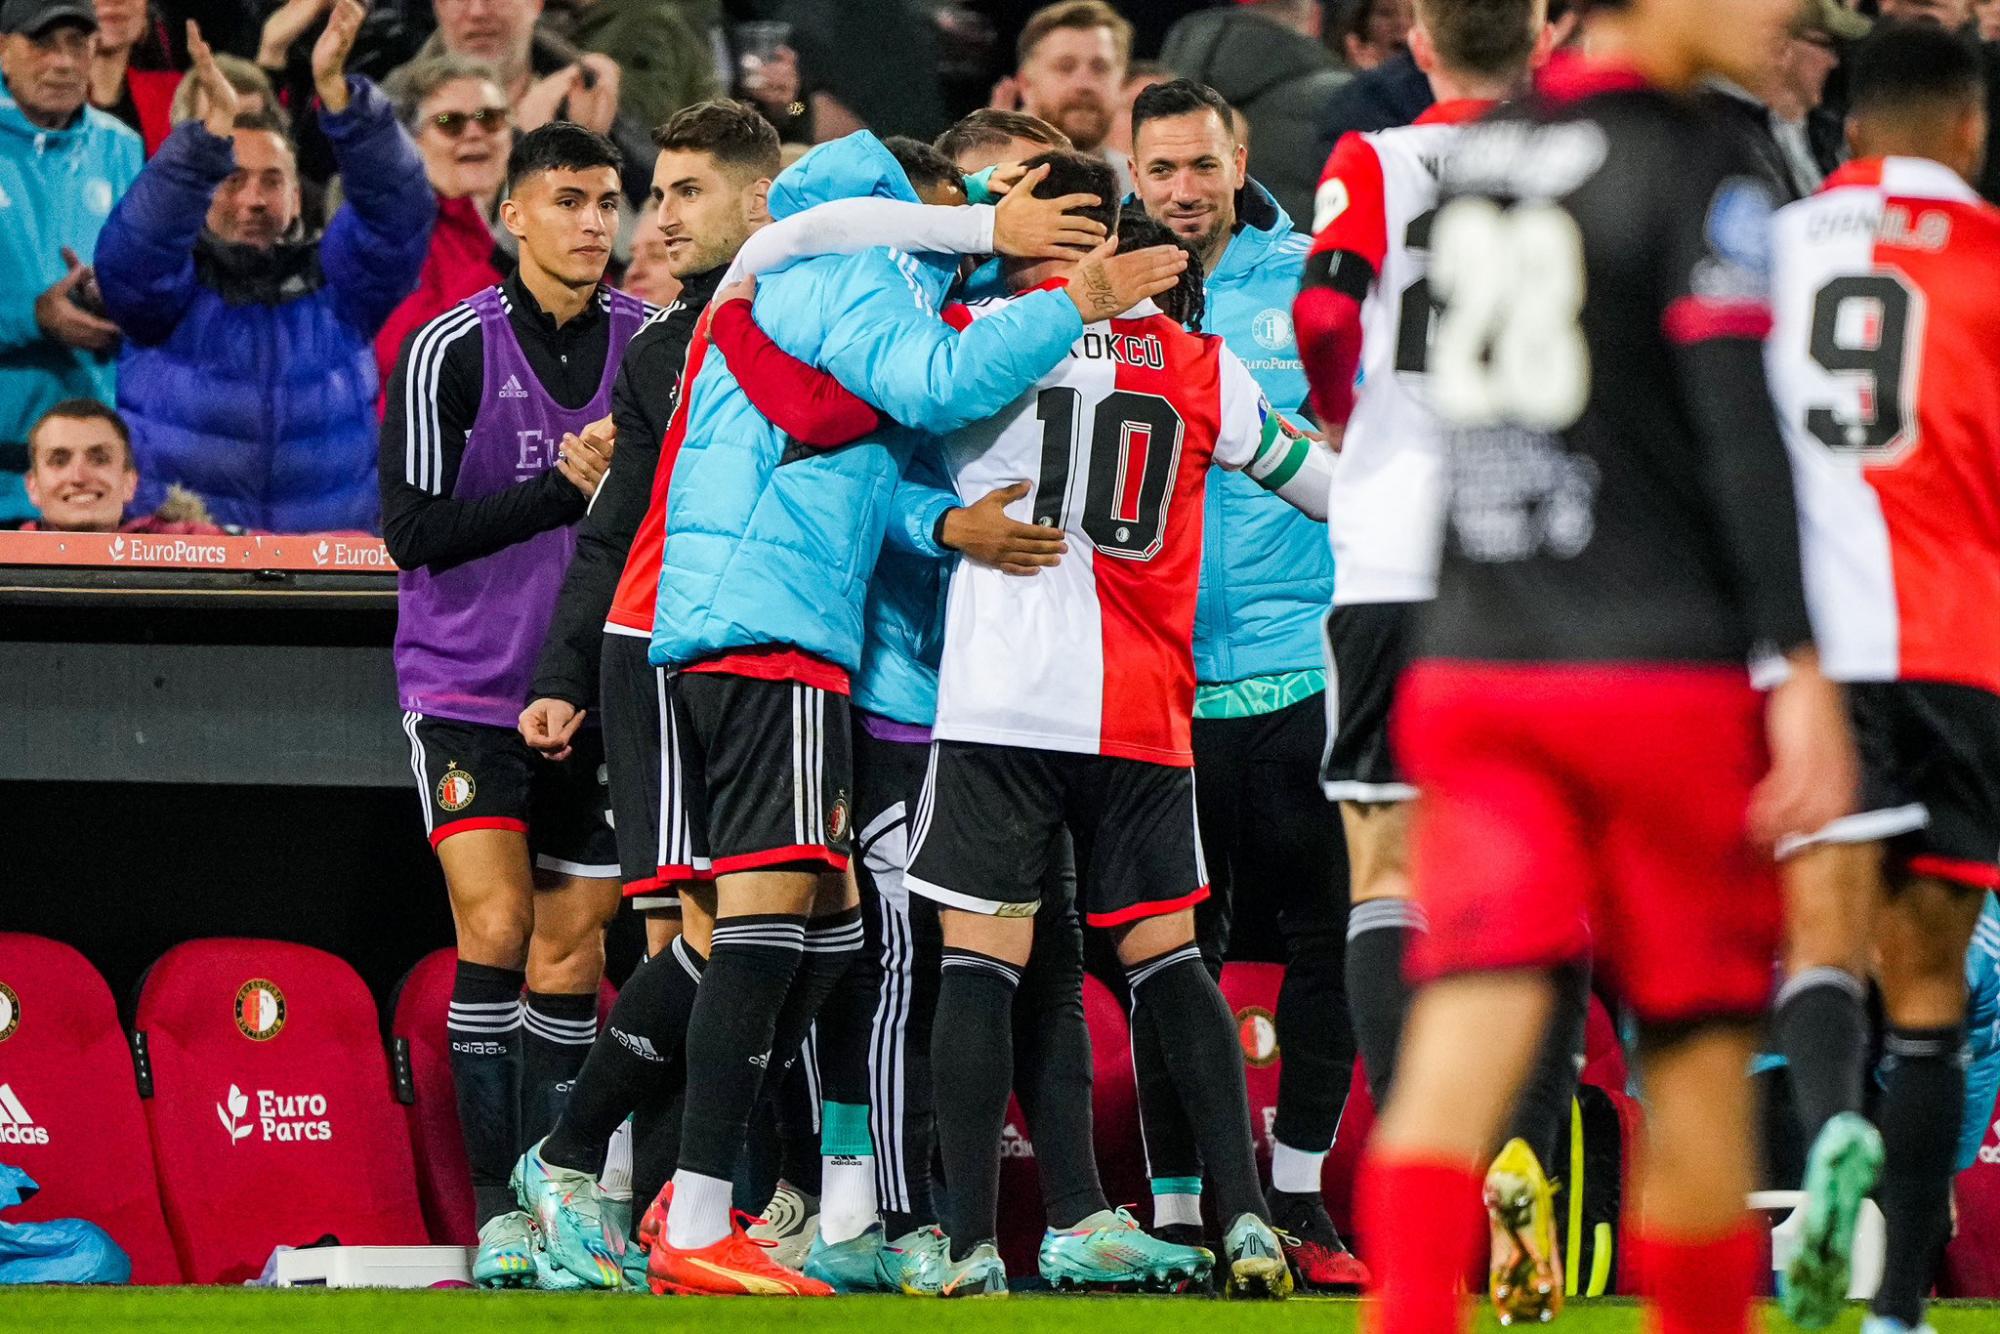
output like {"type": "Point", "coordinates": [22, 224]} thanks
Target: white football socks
{"type": "Point", "coordinates": [1296, 1171]}
{"type": "Point", "coordinates": [698, 1215]}
{"type": "Point", "coordinates": [847, 1206]}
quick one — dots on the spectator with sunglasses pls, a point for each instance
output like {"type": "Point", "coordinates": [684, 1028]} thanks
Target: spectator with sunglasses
{"type": "Point", "coordinates": [456, 110]}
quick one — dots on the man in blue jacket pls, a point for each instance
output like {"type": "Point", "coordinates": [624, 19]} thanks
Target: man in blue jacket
{"type": "Point", "coordinates": [769, 553]}
{"type": "Point", "coordinates": [1260, 718]}
{"type": "Point", "coordinates": [249, 372]}
{"type": "Point", "coordinates": [62, 166]}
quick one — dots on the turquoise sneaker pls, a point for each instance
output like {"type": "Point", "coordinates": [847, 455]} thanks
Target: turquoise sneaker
{"type": "Point", "coordinates": [506, 1255]}
{"type": "Point", "coordinates": [859, 1264]}
{"type": "Point", "coordinates": [1109, 1251]}
{"type": "Point", "coordinates": [917, 1249]}
{"type": "Point", "coordinates": [635, 1266]}
{"type": "Point", "coordinates": [1845, 1160]}
{"type": "Point", "coordinates": [980, 1274]}
{"type": "Point", "coordinates": [1254, 1261]}
{"type": "Point", "coordinates": [576, 1233]}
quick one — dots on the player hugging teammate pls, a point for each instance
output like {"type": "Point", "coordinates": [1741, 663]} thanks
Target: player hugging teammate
{"type": "Point", "coordinates": [940, 572]}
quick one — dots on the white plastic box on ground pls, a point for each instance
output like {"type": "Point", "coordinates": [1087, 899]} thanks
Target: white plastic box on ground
{"type": "Point", "coordinates": [374, 1267]}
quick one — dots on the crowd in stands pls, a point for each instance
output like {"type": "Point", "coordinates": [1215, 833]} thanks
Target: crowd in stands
{"type": "Point", "coordinates": [220, 228]}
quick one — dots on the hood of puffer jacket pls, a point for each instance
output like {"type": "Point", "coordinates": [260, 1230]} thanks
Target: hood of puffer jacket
{"type": "Point", "coordinates": [855, 167]}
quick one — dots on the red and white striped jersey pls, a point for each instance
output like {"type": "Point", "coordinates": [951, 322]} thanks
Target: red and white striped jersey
{"type": "Point", "coordinates": [1096, 654]}
{"type": "Point", "coordinates": [1885, 361]}
{"type": "Point", "coordinates": [1385, 516]}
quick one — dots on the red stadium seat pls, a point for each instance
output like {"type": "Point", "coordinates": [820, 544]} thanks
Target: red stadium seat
{"type": "Point", "coordinates": [69, 1107]}
{"type": "Point", "coordinates": [272, 1115]}
{"type": "Point", "coordinates": [444, 1183]}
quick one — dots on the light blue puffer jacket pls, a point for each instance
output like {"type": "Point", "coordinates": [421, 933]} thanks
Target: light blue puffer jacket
{"type": "Point", "coordinates": [769, 542]}
{"type": "Point", "coordinates": [1266, 569]}
{"type": "Point", "coordinates": [56, 189]}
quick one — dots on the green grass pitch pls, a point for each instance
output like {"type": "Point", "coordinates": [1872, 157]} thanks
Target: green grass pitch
{"type": "Point", "coordinates": [107, 1311]}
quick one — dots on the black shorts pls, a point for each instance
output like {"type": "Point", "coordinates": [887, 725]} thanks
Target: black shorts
{"type": "Point", "coordinates": [888, 775]}
{"type": "Point", "coordinates": [1930, 779]}
{"type": "Point", "coordinates": [631, 694]}
{"type": "Point", "coordinates": [758, 775]}
{"type": "Point", "coordinates": [989, 817]}
{"type": "Point", "coordinates": [477, 776]}
{"type": "Point", "coordinates": [1367, 650]}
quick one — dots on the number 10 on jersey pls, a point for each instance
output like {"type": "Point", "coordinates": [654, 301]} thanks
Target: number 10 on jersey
{"type": "Point", "coordinates": [1131, 454]}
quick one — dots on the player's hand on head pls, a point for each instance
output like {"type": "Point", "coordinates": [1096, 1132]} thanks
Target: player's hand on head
{"type": "Point", "coordinates": [549, 725]}
{"type": "Point", "coordinates": [583, 461]}
{"type": "Point", "coordinates": [1005, 177]}
{"type": "Point", "coordinates": [1814, 775]}
{"type": "Point", "coordinates": [1025, 227]}
{"type": "Point", "coordinates": [982, 532]}
{"type": "Point", "coordinates": [1107, 283]}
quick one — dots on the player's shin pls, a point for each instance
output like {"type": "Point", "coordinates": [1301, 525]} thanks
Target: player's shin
{"type": "Point", "coordinates": [1469, 1044]}
{"type": "Point", "coordinates": [484, 1030]}
{"type": "Point", "coordinates": [751, 964]}
{"type": "Point", "coordinates": [974, 1042]}
{"type": "Point", "coordinates": [1198, 1044]}
{"type": "Point", "coordinates": [641, 1040]}
{"type": "Point", "coordinates": [1697, 1258]}
{"type": "Point", "coordinates": [1053, 1074]}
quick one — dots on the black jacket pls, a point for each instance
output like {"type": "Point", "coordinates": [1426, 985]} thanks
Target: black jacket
{"type": "Point", "coordinates": [1394, 93]}
{"type": "Point", "coordinates": [1278, 79]}
{"type": "Point", "coordinates": [642, 402]}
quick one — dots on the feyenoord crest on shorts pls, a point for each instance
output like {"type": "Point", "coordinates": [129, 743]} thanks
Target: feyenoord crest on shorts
{"type": "Point", "coordinates": [456, 789]}
{"type": "Point", "coordinates": [260, 1009]}
{"type": "Point", "coordinates": [10, 1011]}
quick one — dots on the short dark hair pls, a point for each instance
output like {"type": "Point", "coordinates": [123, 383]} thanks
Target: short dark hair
{"type": "Point", "coordinates": [1904, 67]}
{"type": "Point", "coordinates": [1074, 173]}
{"type": "Point", "coordinates": [560, 145]}
{"type": "Point", "coordinates": [990, 127]}
{"type": "Point", "coordinates": [1494, 39]}
{"type": "Point", "coordinates": [1179, 97]}
{"type": "Point", "coordinates": [1187, 300]}
{"type": "Point", "coordinates": [734, 133]}
{"type": "Point", "coordinates": [925, 166]}
{"type": "Point", "coordinates": [84, 410]}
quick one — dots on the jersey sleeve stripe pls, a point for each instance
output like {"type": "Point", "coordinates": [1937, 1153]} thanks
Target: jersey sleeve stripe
{"type": "Point", "coordinates": [1695, 319]}
{"type": "Point", "coordinates": [423, 450]}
